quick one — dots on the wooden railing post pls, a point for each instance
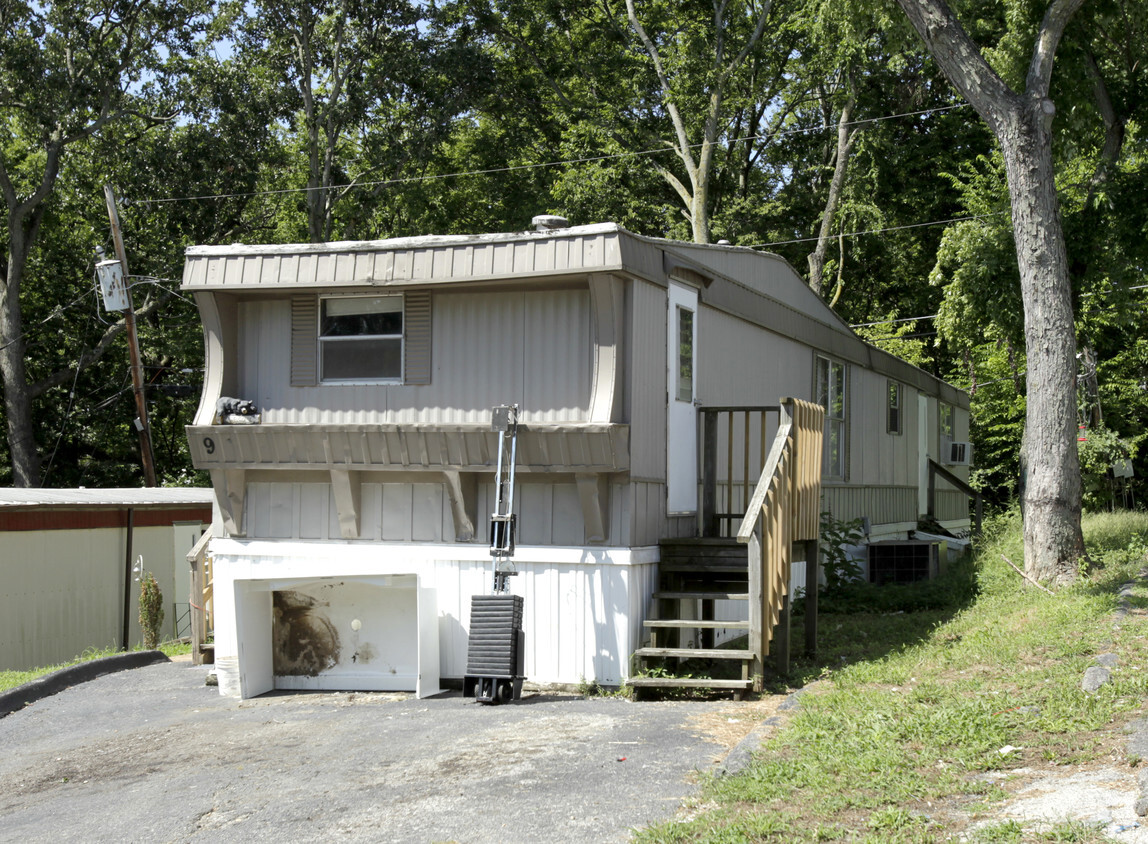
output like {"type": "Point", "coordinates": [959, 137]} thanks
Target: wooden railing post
{"type": "Point", "coordinates": [709, 472]}
{"type": "Point", "coordinates": [758, 643]}
{"type": "Point", "coordinates": [812, 585]}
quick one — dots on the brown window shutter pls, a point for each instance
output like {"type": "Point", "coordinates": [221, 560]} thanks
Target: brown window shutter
{"type": "Point", "coordinates": [304, 341]}
{"type": "Point", "coordinates": [417, 337]}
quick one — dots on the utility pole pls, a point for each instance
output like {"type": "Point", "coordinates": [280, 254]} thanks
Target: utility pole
{"type": "Point", "coordinates": [141, 422]}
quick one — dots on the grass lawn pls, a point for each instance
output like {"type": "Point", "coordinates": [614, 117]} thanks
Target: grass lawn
{"type": "Point", "coordinates": [12, 679]}
{"type": "Point", "coordinates": [922, 697]}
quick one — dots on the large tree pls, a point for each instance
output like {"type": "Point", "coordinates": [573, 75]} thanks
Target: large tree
{"type": "Point", "coordinates": [1021, 120]}
{"type": "Point", "coordinates": [68, 70]}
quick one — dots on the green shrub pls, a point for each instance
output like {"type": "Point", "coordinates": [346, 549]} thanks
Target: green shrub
{"type": "Point", "coordinates": [151, 609]}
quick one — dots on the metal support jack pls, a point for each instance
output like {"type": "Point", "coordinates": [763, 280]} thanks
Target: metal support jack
{"type": "Point", "coordinates": [504, 420]}
{"type": "Point", "coordinates": [494, 669]}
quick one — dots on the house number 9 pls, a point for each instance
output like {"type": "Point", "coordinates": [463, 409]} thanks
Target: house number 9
{"type": "Point", "coordinates": [209, 445]}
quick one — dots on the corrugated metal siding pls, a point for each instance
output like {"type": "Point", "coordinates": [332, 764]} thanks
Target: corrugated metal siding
{"type": "Point", "coordinates": [407, 260]}
{"type": "Point", "coordinates": [952, 505]}
{"type": "Point", "coordinates": [558, 356]}
{"type": "Point", "coordinates": [63, 590]}
{"type": "Point", "coordinates": [548, 513]}
{"type": "Point", "coordinates": [646, 380]}
{"type": "Point", "coordinates": [405, 512]}
{"type": "Point", "coordinates": [648, 512]}
{"type": "Point", "coordinates": [882, 504]}
{"type": "Point", "coordinates": [487, 349]}
{"type": "Point", "coordinates": [739, 363]}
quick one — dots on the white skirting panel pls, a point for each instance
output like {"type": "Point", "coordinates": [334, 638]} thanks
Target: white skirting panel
{"type": "Point", "coordinates": [397, 615]}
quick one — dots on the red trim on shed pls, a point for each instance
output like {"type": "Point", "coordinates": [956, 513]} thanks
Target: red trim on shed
{"type": "Point", "coordinates": [89, 519]}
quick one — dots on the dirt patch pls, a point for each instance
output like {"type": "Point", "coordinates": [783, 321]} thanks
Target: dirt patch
{"type": "Point", "coordinates": [730, 725]}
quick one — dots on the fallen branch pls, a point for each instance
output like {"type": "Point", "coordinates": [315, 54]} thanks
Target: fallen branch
{"type": "Point", "coordinates": [1031, 580]}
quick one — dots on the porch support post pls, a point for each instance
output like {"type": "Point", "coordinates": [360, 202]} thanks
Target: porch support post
{"type": "Point", "coordinates": [758, 635]}
{"type": "Point", "coordinates": [347, 486]}
{"type": "Point", "coordinates": [230, 486]}
{"type": "Point", "coordinates": [781, 637]}
{"type": "Point", "coordinates": [594, 493]}
{"type": "Point", "coordinates": [812, 585]}
{"type": "Point", "coordinates": [462, 489]}
{"type": "Point", "coordinates": [709, 473]}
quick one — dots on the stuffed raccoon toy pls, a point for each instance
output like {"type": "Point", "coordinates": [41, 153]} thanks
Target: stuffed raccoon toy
{"type": "Point", "coordinates": [236, 411]}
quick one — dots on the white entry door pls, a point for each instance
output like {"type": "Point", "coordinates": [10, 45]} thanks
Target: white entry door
{"type": "Point", "coordinates": [681, 385]}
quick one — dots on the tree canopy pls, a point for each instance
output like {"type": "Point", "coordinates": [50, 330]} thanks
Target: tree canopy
{"type": "Point", "coordinates": [828, 132]}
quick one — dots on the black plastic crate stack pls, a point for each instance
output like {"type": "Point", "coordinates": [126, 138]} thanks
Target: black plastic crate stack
{"type": "Point", "coordinates": [495, 650]}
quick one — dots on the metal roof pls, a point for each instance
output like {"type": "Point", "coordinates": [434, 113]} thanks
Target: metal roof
{"type": "Point", "coordinates": [144, 497]}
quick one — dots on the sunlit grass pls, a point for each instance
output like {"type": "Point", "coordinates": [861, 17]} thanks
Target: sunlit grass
{"type": "Point", "coordinates": [12, 679]}
{"type": "Point", "coordinates": [914, 709]}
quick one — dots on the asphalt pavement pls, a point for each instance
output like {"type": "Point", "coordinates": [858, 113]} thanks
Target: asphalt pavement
{"type": "Point", "coordinates": [153, 754]}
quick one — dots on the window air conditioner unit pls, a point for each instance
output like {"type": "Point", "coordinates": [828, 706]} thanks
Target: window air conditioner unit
{"type": "Point", "coordinates": [960, 454]}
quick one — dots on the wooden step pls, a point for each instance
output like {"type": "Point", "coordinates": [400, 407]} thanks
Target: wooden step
{"type": "Point", "coordinates": [690, 653]}
{"type": "Point", "coordinates": [704, 595]}
{"type": "Point", "coordinates": [690, 566]}
{"type": "Point", "coordinates": [680, 552]}
{"type": "Point", "coordinates": [688, 682]}
{"type": "Point", "coordinates": [696, 622]}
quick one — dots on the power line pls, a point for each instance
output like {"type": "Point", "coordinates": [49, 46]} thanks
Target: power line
{"type": "Point", "coordinates": [882, 231]}
{"type": "Point", "coordinates": [56, 311]}
{"type": "Point", "coordinates": [537, 166]}
{"type": "Point", "coordinates": [890, 321]}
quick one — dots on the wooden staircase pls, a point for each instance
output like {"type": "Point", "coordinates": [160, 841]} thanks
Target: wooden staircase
{"type": "Point", "coordinates": [695, 573]}
{"type": "Point", "coordinates": [755, 566]}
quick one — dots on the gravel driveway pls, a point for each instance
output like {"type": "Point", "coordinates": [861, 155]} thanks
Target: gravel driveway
{"type": "Point", "coordinates": [152, 754]}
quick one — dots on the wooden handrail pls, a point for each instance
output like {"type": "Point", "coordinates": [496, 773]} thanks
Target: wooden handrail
{"type": "Point", "coordinates": [202, 595]}
{"type": "Point", "coordinates": [935, 469]}
{"type": "Point", "coordinates": [783, 510]}
{"type": "Point", "coordinates": [753, 511]}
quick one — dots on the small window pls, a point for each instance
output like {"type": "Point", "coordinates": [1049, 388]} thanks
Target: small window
{"type": "Point", "coordinates": [361, 338]}
{"type": "Point", "coordinates": [685, 355]}
{"type": "Point", "coordinates": [893, 421]}
{"type": "Point", "coordinates": [945, 428]}
{"type": "Point", "coordinates": [831, 396]}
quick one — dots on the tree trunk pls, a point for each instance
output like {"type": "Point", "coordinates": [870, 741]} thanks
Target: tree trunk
{"type": "Point", "coordinates": [1022, 124]}
{"type": "Point", "coordinates": [17, 402]}
{"type": "Point", "coordinates": [845, 137]}
{"type": "Point", "coordinates": [1052, 497]}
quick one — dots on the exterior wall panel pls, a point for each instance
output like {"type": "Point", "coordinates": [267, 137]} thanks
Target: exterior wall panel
{"type": "Point", "coordinates": [63, 590]}
{"type": "Point", "coordinates": [882, 504]}
{"type": "Point", "coordinates": [647, 382]}
{"type": "Point", "coordinates": [582, 620]}
{"type": "Point", "coordinates": [742, 364]}
{"type": "Point", "coordinates": [488, 349]}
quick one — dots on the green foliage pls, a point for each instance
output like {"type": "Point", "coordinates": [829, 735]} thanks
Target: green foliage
{"type": "Point", "coordinates": [1099, 449]}
{"type": "Point", "coordinates": [840, 569]}
{"type": "Point", "coordinates": [151, 609]}
{"type": "Point", "coordinates": [897, 338]}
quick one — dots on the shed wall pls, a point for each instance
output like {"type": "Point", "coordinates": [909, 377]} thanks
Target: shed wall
{"type": "Point", "coordinates": [61, 591]}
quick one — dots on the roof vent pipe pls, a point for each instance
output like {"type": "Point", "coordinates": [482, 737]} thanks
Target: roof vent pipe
{"type": "Point", "coordinates": [548, 222]}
